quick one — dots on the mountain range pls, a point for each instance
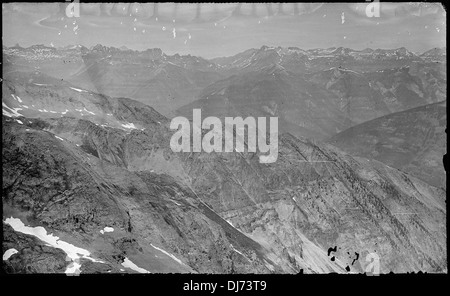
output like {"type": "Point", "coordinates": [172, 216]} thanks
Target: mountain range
{"type": "Point", "coordinates": [361, 84]}
{"type": "Point", "coordinates": [86, 157]}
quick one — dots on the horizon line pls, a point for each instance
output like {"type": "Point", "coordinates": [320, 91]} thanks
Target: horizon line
{"type": "Point", "coordinates": [212, 58]}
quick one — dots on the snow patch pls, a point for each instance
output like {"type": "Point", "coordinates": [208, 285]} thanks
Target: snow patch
{"type": "Point", "coordinates": [73, 268]}
{"type": "Point", "coordinates": [168, 254]}
{"type": "Point", "coordinates": [9, 253]}
{"type": "Point", "coordinates": [16, 98]}
{"type": "Point", "coordinates": [106, 229]}
{"type": "Point", "coordinates": [178, 204]}
{"type": "Point", "coordinates": [77, 89]}
{"type": "Point", "coordinates": [12, 111]}
{"type": "Point", "coordinates": [127, 263]}
{"type": "Point", "coordinates": [239, 252]}
{"type": "Point", "coordinates": [88, 111]}
{"type": "Point", "coordinates": [129, 125]}
{"type": "Point", "coordinates": [59, 138]}
{"type": "Point", "coordinates": [73, 252]}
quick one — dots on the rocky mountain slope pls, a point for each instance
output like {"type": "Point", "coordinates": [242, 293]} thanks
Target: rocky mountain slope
{"type": "Point", "coordinates": [303, 108]}
{"type": "Point", "coordinates": [413, 141]}
{"type": "Point", "coordinates": [79, 173]}
{"type": "Point", "coordinates": [75, 195]}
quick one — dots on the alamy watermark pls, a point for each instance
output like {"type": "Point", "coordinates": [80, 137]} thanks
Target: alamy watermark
{"type": "Point", "coordinates": [73, 8]}
{"type": "Point", "coordinates": [234, 133]}
{"type": "Point", "coordinates": [373, 9]}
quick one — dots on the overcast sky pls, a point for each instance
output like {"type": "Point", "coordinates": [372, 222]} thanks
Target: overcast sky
{"type": "Point", "coordinates": [212, 30]}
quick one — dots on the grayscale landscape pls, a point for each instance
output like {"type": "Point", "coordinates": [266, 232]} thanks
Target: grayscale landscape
{"type": "Point", "coordinates": [91, 184]}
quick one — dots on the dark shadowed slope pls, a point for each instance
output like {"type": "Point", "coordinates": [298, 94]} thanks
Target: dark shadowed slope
{"type": "Point", "coordinates": [413, 141]}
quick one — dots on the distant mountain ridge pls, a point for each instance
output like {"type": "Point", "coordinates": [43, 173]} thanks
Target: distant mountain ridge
{"type": "Point", "coordinates": [300, 60]}
{"type": "Point", "coordinates": [357, 85]}
{"type": "Point", "coordinates": [290, 57]}
{"type": "Point", "coordinates": [315, 51]}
